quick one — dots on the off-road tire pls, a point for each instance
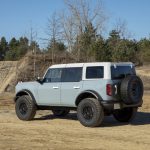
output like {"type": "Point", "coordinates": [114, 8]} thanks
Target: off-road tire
{"type": "Point", "coordinates": [125, 114]}
{"type": "Point", "coordinates": [90, 113]}
{"type": "Point", "coordinates": [131, 90]}
{"type": "Point", "coordinates": [25, 108]}
{"type": "Point", "coordinates": [60, 112]}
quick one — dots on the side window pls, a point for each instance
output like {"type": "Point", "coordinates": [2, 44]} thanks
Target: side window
{"type": "Point", "coordinates": [72, 74]}
{"type": "Point", "coordinates": [53, 75]}
{"type": "Point", "coordinates": [95, 72]}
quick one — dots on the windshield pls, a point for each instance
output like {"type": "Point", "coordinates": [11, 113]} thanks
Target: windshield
{"type": "Point", "coordinates": [119, 72]}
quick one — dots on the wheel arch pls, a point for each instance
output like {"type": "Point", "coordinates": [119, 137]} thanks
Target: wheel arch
{"type": "Point", "coordinates": [25, 92]}
{"type": "Point", "coordinates": [87, 94]}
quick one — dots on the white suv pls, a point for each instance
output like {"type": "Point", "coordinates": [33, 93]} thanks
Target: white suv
{"type": "Point", "coordinates": [93, 89]}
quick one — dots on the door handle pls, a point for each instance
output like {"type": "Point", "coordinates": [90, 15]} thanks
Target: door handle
{"type": "Point", "coordinates": [55, 87]}
{"type": "Point", "coordinates": [76, 87]}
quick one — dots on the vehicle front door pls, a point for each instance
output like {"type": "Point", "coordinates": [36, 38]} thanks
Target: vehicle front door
{"type": "Point", "coordinates": [49, 90]}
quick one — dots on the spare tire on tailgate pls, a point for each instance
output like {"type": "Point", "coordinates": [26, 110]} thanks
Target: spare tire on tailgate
{"type": "Point", "coordinates": [131, 89]}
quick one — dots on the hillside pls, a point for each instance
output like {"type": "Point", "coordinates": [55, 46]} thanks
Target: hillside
{"type": "Point", "coordinates": [24, 70]}
{"type": "Point", "coordinates": [13, 71]}
{"type": "Point", "coordinates": [144, 73]}
{"type": "Point", "coordinates": [7, 73]}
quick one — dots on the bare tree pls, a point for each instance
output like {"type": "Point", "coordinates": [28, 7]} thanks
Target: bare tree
{"type": "Point", "coordinates": [78, 16]}
{"type": "Point", "coordinates": [68, 25]}
{"type": "Point", "coordinates": [53, 31]}
{"type": "Point", "coordinates": [84, 12]}
{"type": "Point", "coordinates": [122, 29]}
{"type": "Point", "coordinates": [53, 26]}
{"type": "Point", "coordinates": [33, 37]}
{"type": "Point", "coordinates": [68, 34]}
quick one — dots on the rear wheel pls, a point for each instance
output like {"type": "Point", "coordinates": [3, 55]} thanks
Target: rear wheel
{"type": "Point", "coordinates": [60, 112]}
{"type": "Point", "coordinates": [25, 108]}
{"type": "Point", "coordinates": [90, 113]}
{"type": "Point", "coordinates": [125, 114]}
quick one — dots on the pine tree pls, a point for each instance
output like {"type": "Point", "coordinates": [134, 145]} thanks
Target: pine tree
{"type": "Point", "coordinates": [3, 48]}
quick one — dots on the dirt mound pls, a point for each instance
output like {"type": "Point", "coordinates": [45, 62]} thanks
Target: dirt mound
{"type": "Point", "coordinates": [7, 73]}
{"type": "Point", "coordinates": [27, 69]}
{"type": "Point", "coordinates": [13, 71]}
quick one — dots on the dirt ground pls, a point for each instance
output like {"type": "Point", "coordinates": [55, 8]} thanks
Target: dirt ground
{"type": "Point", "coordinates": [47, 132]}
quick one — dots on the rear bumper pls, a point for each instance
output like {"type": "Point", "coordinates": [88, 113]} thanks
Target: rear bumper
{"type": "Point", "coordinates": [111, 105]}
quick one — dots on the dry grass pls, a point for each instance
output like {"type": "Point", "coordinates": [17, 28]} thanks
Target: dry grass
{"type": "Point", "coordinates": [144, 73]}
{"type": "Point", "coordinates": [144, 70]}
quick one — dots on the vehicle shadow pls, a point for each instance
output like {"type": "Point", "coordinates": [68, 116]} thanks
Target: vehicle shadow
{"type": "Point", "coordinates": [70, 116]}
{"type": "Point", "coordinates": [142, 118]}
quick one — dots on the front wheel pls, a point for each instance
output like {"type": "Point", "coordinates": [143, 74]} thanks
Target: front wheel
{"type": "Point", "coordinates": [25, 108]}
{"type": "Point", "coordinates": [125, 114]}
{"type": "Point", "coordinates": [90, 113]}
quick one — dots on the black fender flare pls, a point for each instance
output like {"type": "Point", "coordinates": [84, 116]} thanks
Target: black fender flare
{"type": "Point", "coordinates": [25, 92]}
{"type": "Point", "coordinates": [87, 92]}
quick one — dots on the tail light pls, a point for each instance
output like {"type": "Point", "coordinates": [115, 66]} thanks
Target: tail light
{"type": "Point", "coordinates": [109, 89]}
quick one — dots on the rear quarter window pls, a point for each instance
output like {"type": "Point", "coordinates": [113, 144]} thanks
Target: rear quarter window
{"type": "Point", "coordinates": [94, 72]}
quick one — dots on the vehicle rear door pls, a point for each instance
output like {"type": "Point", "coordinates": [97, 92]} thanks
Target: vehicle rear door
{"type": "Point", "coordinates": [71, 85]}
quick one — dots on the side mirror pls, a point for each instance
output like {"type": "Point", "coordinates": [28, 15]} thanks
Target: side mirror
{"type": "Point", "coordinates": [40, 80]}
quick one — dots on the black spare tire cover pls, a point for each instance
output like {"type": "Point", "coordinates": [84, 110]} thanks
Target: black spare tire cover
{"type": "Point", "coordinates": [131, 89]}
